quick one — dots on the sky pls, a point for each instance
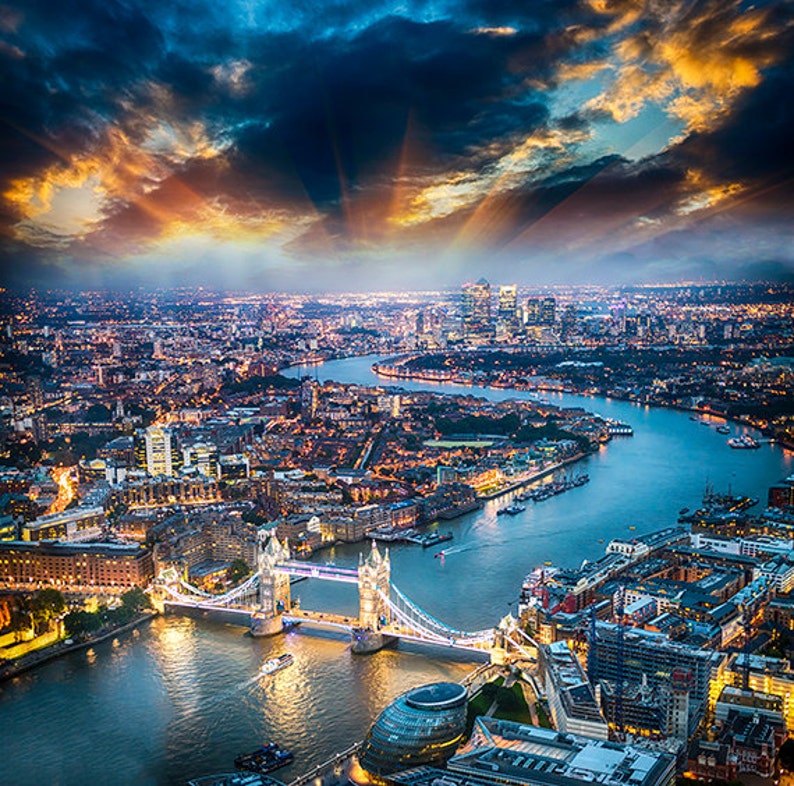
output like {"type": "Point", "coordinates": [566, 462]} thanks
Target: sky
{"type": "Point", "coordinates": [348, 145]}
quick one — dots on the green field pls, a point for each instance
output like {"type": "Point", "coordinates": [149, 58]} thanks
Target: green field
{"type": "Point", "coordinates": [511, 704]}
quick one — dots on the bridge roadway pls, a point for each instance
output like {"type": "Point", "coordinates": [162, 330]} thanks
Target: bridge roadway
{"type": "Point", "coordinates": [312, 570]}
{"type": "Point", "coordinates": [339, 622]}
{"type": "Point", "coordinates": [241, 611]}
{"type": "Point", "coordinates": [320, 619]}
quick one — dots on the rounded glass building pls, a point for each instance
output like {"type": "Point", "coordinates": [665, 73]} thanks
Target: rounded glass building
{"type": "Point", "coordinates": [423, 726]}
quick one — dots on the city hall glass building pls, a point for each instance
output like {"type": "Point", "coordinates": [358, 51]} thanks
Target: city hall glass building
{"type": "Point", "coordinates": [421, 727]}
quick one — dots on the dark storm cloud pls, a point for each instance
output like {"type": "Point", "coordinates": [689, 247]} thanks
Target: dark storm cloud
{"type": "Point", "coordinates": [755, 141]}
{"type": "Point", "coordinates": [333, 107]}
{"type": "Point", "coordinates": [346, 110]}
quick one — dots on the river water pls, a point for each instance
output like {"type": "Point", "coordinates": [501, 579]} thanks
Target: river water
{"type": "Point", "coordinates": [181, 698]}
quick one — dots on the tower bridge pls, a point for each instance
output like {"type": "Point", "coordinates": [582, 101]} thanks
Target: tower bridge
{"type": "Point", "coordinates": [385, 613]}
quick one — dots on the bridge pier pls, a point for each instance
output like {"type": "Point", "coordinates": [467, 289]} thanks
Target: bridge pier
{"type": "Point", "coordinates": [274, 590]}
{"type": "Point", "coordinates": [499, 649]}
{"type": "Point", "coordinates": [364, 641]}
{"type": "Point", "coordinates": [262, 625]}
{"type": "Point", "coordinates": [374, 575]}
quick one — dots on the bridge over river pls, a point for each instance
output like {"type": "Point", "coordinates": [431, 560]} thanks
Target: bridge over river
{"type": "Point", "coordinates": [385, 613]}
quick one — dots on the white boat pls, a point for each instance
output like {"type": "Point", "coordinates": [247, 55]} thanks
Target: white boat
{"type": "Point", "coordinates": [275, 664]}
{"type": "Point", "coordinates": [745, 442]}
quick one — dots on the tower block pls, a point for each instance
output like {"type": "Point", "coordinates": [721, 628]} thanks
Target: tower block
{"type": "Point", "coordinates": [374, 575]}
{"type": "Point", "coordinates": [274, 588]}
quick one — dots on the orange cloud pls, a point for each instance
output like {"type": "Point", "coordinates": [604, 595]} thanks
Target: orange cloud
{"type": "Point", "coordinates": [693, 65]}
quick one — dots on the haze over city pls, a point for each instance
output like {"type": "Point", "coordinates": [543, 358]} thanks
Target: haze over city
{"type": "Point", "coordinates": [415, 145]}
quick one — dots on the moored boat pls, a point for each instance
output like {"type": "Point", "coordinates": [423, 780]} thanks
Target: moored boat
{"type": "Point", "coordinates": [510, 510]}
{"type": "Point", "coordinates": [434, 539]}
{"type": "Point", "coordinates": [263, 760]}
{"type": "Point", "coordinates": [745, 442]}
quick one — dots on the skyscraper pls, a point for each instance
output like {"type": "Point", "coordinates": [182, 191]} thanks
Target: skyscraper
{"type": "Point", "coordinates": [476, 309]}
{"type": "Point", "coordinates": [533, 311]}
{"type": "Point", "coordinates": [508, 305]}
{"type": "Point", "coordinates": [159, 451]}
{"type": "Point", "coordinates": [548, 311]}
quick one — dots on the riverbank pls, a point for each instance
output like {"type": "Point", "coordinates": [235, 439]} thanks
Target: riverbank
{"type": "Point", "coordinates": [397, 371]}
{"type": "Point", "coordinates": [14, 668]}
{"type": "Point", "coordinates": [533, 478]}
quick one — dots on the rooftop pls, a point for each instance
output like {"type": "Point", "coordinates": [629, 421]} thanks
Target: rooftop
{"type": "Point", "coordinates": [507, 752]}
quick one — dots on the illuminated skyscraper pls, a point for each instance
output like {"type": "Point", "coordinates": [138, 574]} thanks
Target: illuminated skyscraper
{"type": "Point", "coordinates": [476, 310]}
{"type": "Point", "coordinates": [508, 305]}
{"type": "Point", "coordinates": [159, 451]}
{"type": "Point", "coordinates": [533, 312]}
{"type": "Point", "coordinates": [547, 311]}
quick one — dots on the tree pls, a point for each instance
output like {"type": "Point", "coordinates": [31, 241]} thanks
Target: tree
{"type": "Point", "coordinates": [238, 571]}
{"type": "Point", "coordinates": [97, 413]}
{"type": "Point", "coordinates": [136, 600]}
{"type": "Point", "coordinates": [80, 623]}
{"type": "Point", "coordinates": [20, 618]}
{"type": "Point", "coordinates": [45, 606]}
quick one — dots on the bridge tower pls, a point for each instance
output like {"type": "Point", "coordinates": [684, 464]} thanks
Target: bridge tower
{"type": "Point", "coordinates": [374, 574]}
{"type": "Point", "coordinates": [274, 591]}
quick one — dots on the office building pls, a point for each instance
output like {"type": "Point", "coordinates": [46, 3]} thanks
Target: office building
{"type": "Point", "coordinates": [160, 452]}
{"type": "Point", "coordinates": [667, 669]}
{"type": "Point", "coordinates": [203, 457]}
{"type": "Point", "coordinates": [476, 310]}
{"type": "Point", "coordinates": [508, 306]}
{"type": "Point", "coordinates": [571, 699]}
{"type": "Point", "coordinates": [75, 565]}
{"type": "Point", "coordinates": [548, 311]}
{"type": "Point", "coordinates": [532, 313]}
{"type": "Point", "coordinates": [74, 526]}
{"type": "Point", "coordinates": [515, 754]}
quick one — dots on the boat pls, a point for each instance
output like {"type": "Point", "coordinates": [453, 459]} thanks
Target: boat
{"type": "Point", "coordinates": [723, 430]}
{"type": "Point", "coordinates": [275, 664]}
{"type": "Point", "coordinates": [439, 554]}
{"type": "Point", "coordinates": [263, 760]}
{"type": "Point", "coordinates": [632, 527]}
{"type": "Point", "coordinates": [510, 510]}
{"type": "Point", "coordinates": [745, 442]}
{"type": "Point", "coordinates": [435, 539]}
{"type": "Point", "coordinates": [683, 511]}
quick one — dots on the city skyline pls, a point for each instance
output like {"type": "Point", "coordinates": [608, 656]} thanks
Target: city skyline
{"type": "Point", "coordinates": [369, 146]}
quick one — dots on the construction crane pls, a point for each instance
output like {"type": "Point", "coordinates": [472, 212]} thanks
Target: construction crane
{"type": "Point", "coordinates": [619, 664]}
{"type": "Point", "coordinates": [748, 634]}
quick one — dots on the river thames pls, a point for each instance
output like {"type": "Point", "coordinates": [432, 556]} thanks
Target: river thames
{"type": "Point", "coordinates": [181, 698]}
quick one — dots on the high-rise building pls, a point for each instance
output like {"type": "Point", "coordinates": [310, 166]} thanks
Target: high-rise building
{"type": "Point", "coordinates": [568, 322]}
{"type": "Point", "coordinates": [619, 316]}
{"type": "Point", "coordinates": [508, 305]}
{"type": "Point", "coordinates": [533, 312]}
{"type": "Point", "coordinates": [548, 311]}
{"type": "Point", "coordinates": [159, 451]}
{"type": "Point", "coordinates": [203, 456]}
{"type": "Point", "coordinates": [646, 662]}
{"type": "Point", "coordinates": [476, 310]}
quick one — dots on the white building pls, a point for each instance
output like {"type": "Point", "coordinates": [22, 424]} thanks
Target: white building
{"type": "Point", "coordinates": [159, 451]}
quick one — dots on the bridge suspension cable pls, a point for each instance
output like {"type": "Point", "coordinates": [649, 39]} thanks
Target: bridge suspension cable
{"type": "Point", "coordinates": [201, 597]}
{"type": "Point", "coordinates": [414, 617]}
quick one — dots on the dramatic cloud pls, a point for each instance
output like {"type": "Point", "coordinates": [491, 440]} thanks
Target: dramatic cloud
{"type": "Point", "coordinates": [282, 144]}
